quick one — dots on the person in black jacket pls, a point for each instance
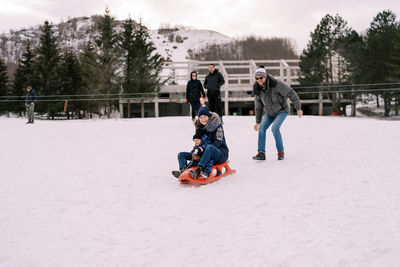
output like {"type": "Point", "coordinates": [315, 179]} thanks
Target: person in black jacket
{"type": "Point", "coordinates": [30, 103]}
{"type": "Point", "coordinates": [213, 82]}
{"type": "Point", "coordinates": [194, 90]}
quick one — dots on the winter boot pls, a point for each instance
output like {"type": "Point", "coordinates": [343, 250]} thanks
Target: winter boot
{"type": "Point", "coordinates": [281, 155]}
{"type": "Point", "coordinates": [259, 156]}
{"type": "Point", "coordinates": [177, 173]}
{"type": "Point", "coordinates": [203, 175]}
{"type": "Point", "coordinates": [196, 172]}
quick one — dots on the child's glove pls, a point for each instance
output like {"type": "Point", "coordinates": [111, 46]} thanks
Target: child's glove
{"type": "Point", "coordinates": [195, 155]}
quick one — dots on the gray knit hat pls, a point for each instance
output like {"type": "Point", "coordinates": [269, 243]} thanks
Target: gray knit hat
{"type": "Point", "coordinates": [260, 71]}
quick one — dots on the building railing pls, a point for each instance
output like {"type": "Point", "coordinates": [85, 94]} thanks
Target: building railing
{"type": "Point", "coordinates": [234, 71]}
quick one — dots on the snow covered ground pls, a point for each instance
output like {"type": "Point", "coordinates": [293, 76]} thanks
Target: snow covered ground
{"type": "Point", "coordinates": [100, 193]}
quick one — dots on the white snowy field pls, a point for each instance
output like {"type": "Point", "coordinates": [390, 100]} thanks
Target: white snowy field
{"type": "Point", "coordinates": [100, 193]}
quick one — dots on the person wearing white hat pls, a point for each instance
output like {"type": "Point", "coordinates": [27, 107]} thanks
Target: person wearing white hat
{"type": "Point", "coordinates": [271, 108]}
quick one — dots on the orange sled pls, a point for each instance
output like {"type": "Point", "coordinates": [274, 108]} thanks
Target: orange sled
{"type": "Point", "coordinates": [223, 168]}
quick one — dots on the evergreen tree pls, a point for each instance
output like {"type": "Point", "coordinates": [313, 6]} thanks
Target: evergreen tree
{"type": "Point", "coordinates": [91, 75]}
{"type": "Point", "coordinates": [322, 61]}
{"type": "Point", "coordinates": [380, 47]}
{"type": "Point", "coordinates": [47, 68]}
{"type": "Point", "coordinates": [317, 60]}
{"type": "Point", "coordinates": [128, 52]}
{"type": "Point", "coordinates": [394, 67]}
{"type": "Point", "coordinates": [353, 50]}
{"type": "Point", "coordinates": [3, 86]}
{"type": "Point", "coordinates": [71, 79]}
{"type": "Point", "coordinates": [147, 63]}
{"type": "Point", "coordinates": [109, 57]}
{"type": "Point", "coordinates": [24, 76]}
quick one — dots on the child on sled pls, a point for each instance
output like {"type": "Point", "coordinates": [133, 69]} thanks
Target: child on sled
{"type": "Point", "coordinates": [200, 143]}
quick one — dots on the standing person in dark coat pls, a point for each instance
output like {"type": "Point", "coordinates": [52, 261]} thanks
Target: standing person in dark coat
{"type": "Point", "coordinates": [213, 82]}
{"type": "Point", "coordinates": [194, 90]}
{"type": "Point", "coordinates": [270, 101]}
{"type": "Point", "coordinates": [30, 103]}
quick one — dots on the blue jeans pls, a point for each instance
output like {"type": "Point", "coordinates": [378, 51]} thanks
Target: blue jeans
{"type": "Point", "coordinates": [264, 125]}
{"type": "Point", "coordinates": [184, 157]}
{"type": "Point", "coordinates": [210, 156]}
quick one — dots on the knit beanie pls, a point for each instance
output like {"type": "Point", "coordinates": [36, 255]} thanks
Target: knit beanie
{"type": "Point", "coordinates": [197, 136]}
{"type": "Point", "coordinates": [260, 71]}
{"type": "Point", "coordinates": [204, 111]}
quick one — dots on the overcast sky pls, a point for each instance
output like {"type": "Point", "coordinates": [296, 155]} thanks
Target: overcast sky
{"type": "Point", "coordinates": [235, 18]}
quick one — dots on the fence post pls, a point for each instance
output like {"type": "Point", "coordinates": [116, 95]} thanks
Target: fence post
{"type": "Point", "coordinates": [226, 86]}
{"type": "Point", "coordinates": [121, 109]}
{"type": "Point", "coordinates": [321, 108]}
{"type": "Point", "coordinates": [129, 108]}
{"type": "Point", "coordinates": [142, 104]}
{"type": "Point", "coordinates": [290, 107]}
{"type": "Point", "coordinates": [252, 70]}
{"type": "Point", "coordinates": [156, 110]}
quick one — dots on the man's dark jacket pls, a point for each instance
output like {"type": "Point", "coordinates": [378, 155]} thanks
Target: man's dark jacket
{"type": "Point", "coordinates": [214, 81]}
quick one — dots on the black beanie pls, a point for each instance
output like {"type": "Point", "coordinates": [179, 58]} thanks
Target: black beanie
{"type": "Point", "coordinates": [197, 136]}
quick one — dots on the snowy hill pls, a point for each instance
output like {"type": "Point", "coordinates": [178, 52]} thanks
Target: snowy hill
{"type": "Point", "coordinates": [76, 32]}
{"type": "Point", "coordinates": [100, 193]}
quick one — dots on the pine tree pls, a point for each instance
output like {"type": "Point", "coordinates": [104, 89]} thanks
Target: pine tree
{"type": "Point", "coordinates": [71, 78]}
{"type": "Point", "coordinates": [3, 86]}
{"type": "Point", "coordinates": [394, 67]}
{"type": "Point", "coordinates": [47, 68]}
{"type": "Point", "coordinates": [128, 53]}
{"type": "Point", "coordinates": [394, 63]}
{"type": "Point", "coordinates": [316, 62]}
{"type": "Point", "coordinates": [109, 57]}
{"type": "Point", "coordinates": [24, 76]}
{"type": "Point", "coordinates": [380, 37]}
{"type": "Point", "coordinates": [353, 50]}
{"type": "Point", "coordinates": [91, 75]}
{"type": "Point", "coordinates": [147, 63]}
{"type": "Point", "coordinates": [322, 61]}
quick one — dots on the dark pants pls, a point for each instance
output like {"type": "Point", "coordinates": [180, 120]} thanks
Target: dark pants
{"type": "Point", "coordinates": [195, 108]}
{"type": "Point", "coordinates": [214, 101]}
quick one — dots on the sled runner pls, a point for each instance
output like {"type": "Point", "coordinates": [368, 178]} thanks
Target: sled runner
{"type": "Point", "coordinates": [222, 168]}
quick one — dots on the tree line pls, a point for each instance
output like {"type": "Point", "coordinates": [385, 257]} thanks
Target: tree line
{"type": "Point", "coordinates": [336, 54]}
{"type": "Point", "coordinates": [250, 47]}
{"type": "Point", "coordinates": [127, 63]}
{"type": "Point", "coordinates": [110, 65]}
